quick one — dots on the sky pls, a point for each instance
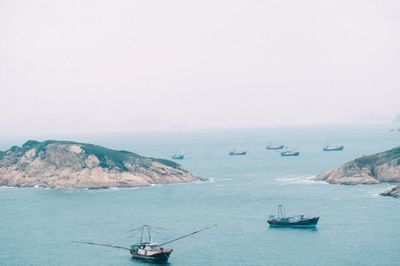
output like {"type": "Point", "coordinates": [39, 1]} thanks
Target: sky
{"type": "Point", "coordinates": [98, 66]}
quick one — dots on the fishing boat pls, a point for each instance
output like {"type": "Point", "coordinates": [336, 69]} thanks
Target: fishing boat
{"type": "Point", "coordinates": [237, 152]}
{"type": "Point", "coordinates": [290, 153]}
{"type": "Point", "coordinates": [297, 221]}
{"type": "Point", "coordinates": [333, 148]}
{"type": "Point", "coordinates": [147, 250]}
{"type": "Point", "coordinates": [274, 147]}
{"type": "Point", "coordinates": [178, 156]}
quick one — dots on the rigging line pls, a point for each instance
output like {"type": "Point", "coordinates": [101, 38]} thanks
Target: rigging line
{"type": "Point", "coordinates": [157, 227]}
{"type": "Point", "coordinates": [137, 228]}
{"type": "Point", "coordinates": [195, 232]}
{"type": "Point", "coordinates": [134, 234]}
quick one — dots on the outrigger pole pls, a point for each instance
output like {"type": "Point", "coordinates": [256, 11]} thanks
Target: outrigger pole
{"type": "Point", "coordinates": [120, 247]}
{"type": "Point", "coordinates": [195, 232]}
{"type": "Point", "coordinates": [98, 244]}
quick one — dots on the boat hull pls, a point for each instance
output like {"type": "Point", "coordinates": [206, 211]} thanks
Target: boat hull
{"type": "Point", "coordinates": [237, 153]}
{"type": "Point", "coordinates": [290, 154]}
{"type": "Point", "coordinates": [306, 223]}
{"type": "Point", "coordinates": [333, 149]}
{"type": "Point", "coordinates": [275, 147]}
{"type": "Point", "coordinates": [160, 257]}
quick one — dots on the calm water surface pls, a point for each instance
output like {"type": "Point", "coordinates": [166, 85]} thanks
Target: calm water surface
{"type": "Point", "coordinates": [357, 227]}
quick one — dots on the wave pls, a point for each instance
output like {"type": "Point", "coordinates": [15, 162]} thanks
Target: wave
{"type": "Point", "coordinates": [211, 180]}
{"type": "Point", "coordinates": [305, 180]}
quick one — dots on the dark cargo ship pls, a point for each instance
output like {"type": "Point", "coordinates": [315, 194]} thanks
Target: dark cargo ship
{"type": "Point", "coordinates": [298, 221]}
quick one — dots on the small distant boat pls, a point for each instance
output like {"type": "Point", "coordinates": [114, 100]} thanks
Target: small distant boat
{"type": "Point", "coordinates": [333, 148]}
{"type": "Point", "coordinates": [236, 152]}
{"type": "Point", "coordinates": [178, 156]}
{"type": "Point", "coordinates": [275, 147]}
{"type": "Point", "coordinates": [290, 153]}
{"type": "Point", "coordinates": [298, 221]}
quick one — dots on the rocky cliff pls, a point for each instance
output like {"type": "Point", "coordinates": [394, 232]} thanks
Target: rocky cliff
{"type": "Point", "coordinates": [394, 192]}
{"type": "Point", "coordinates": [66, 164]}
{"type": "Point", "coordinates": [372, 169]}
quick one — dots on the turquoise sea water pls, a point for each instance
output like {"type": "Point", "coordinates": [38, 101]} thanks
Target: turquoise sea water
{"type": "Point", "coordinates": [357, 227]}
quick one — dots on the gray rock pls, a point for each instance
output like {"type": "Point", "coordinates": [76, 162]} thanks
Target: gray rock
{"type": "Point", "coordinates": [394, 192]}
{"type": "Point", "coordinates": [67, 164]}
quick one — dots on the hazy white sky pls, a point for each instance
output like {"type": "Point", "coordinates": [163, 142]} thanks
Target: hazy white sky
{"type": "Point", "coordinates": [125, 65]}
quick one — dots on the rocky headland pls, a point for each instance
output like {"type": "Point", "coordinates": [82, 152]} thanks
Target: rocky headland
{"type": "Point", "coordinates": [67, 164]}
{"type": "Point", "coordinates": [372, 169]}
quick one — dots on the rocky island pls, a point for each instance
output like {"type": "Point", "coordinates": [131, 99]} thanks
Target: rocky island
{"type": "Point", "coordinates": [372, 169]}
{"type": "Point", "coordinates": [67, 164]}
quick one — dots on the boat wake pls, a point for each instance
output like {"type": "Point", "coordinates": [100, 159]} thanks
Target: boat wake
{"type": "Point", "coordinates": [209, 180]}
{"type": "Point", "coordinates": [305, 180]}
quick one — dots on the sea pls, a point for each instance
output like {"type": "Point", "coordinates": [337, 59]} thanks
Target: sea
{"type": "Point", "coordinates": [357, 226]}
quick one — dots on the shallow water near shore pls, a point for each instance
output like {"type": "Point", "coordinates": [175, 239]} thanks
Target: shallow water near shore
{"type": "Point", "coordinates": [357, 226]}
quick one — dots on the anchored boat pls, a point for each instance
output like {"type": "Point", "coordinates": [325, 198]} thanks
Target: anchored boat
{"type": "Point", "coordinates": [290, 153]}
{"type": "Point", "coordinates": [237, 152]}
{"type": "Point", "coordinates": [333, 148]}
{"type": "Point", "coordinates": [148, 251]}
{"type": "Point", "coordinates": [178, 156]}
{"type": "Point", "coordinates": [275, 147]}
{"type": "Point", "coordinates": [297, 221]}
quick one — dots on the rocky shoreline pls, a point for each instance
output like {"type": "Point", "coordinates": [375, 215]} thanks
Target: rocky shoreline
{"type": "Point", "coordinates": [67, 164]}
{"type": "Point", "coordinates": [367, 170]}
{"type": "Point", "coordinates": [371, 169]}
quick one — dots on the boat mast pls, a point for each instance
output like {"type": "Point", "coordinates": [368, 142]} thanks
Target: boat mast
{"type": "Point", "coordinates": [146, 226]}
{"type": "Point", "coordinates": [280, 211]}
{"type": "Point", "coordinates": [148, 231]}
{"type": "Point", "coordinates": [141, 235]}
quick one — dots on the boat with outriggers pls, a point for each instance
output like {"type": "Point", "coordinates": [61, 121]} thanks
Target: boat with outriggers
{"type": "Point", "coordinates": [296, 221]}
{"type": "Point", "coordinates": [147, 250]}
{"type": "Point", "coordinates": [333, 148]}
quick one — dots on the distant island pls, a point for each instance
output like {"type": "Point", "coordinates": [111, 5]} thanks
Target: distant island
{"type": "Point", "coordinates": [397, 119]}
{"type": "Point", "coordinates": [67, 164]}
{"type": "Point", "coordinates": [372, 169]}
